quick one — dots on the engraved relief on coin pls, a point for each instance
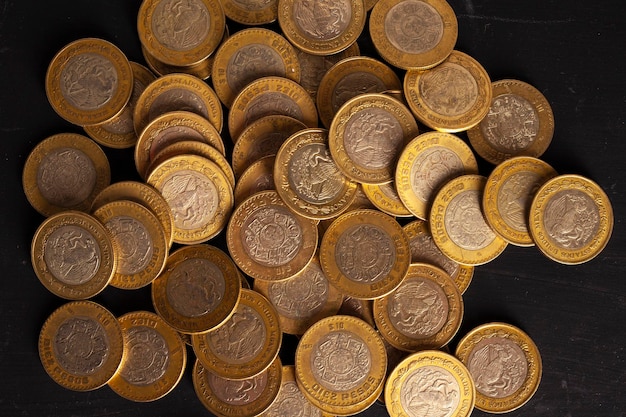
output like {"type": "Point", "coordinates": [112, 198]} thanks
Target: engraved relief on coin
{"type": "Point", "coordinates": [134, 244]}
{"type": "Point", "coordinates": [433, 167]}
{"type": "Point", "coordinates": [253, 5]}
{"type": "Point", "coordinates": [514, 198]}
{"type": "Point", "coordinates": [148, 356]}
{"type": "Point", "coordinates": [512, 123]}
{"type": "Point", "coordinates": [322, 20]}
{"type": "Point", "coordinates": [251, 62]}
{"type": "Point", "coordinates": [241, 338]}
{"type": "Point", "coordinates": [66, 177]}
{"type": "Point", "coordinates": [169, 136]}
{"type": "Point", "coordinates": [266, 145]}
{"type": "Point", "coordinates": [177, 99]}
{"type": "Point", "coordinates": [423, 249]}
{"type": "Point", "coordinates": [192, 197]}
{"type": "Point", "coordinates": [449, 89]}
{"type": "Point", "coordinates": [372, 138]}
{"type": "Point", "coordinates": [418, 308]}
{"type": "Point", "coordinates": [238, 392]}
{"type": "Point", "coordinates": [181, 25]}
{"type": "Point", "coordinates": [271, 103]}
{"type": "Point", "coordinates": [81, 346]}
{"type": "Point", "coordinates": [88, 81]}
{"type": "Point", "coordinates": [465, 223]}
{"type": "Point", "coordinates": [301, 296]}
{"type": "Point", "coordinates": [291, 402]}
{"type": "Point", "coordinates": [431, 391]}
{"type": "Point", "coordinates": [340, 361]}
{"type": "Point", "coordinates": [195, 287]}
{"type": "Point", "coordinates": [123, 123]}
{"type": "Point", "coordinates": [390, 192]}
{"type": "Point", "coordinates": [365, 253]}
{"type": "Point", "coordinates": [414, 27]}
{"type": "Point", "coordinates": [271, 236]}
{"type": "Point", "coordinates": [353, 85]}
{"type": "Point", "coordinates": [571, 219]}
{"type": "Point", "coordinates": [72, 255]}
{"type": "Point", "coordinates": [314, 176]}
{"type": "Point", "coordinates": [498, 367]}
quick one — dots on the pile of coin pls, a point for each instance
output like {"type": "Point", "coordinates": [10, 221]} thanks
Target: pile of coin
{"type": "Point", "coordinates": [359, 237]}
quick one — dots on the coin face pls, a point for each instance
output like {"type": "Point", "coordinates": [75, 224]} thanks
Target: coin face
{"type": "Point", "coordinates": [251, 12]}
{"type": "Point", "coordinates": [520, 122]}
{"type": "Point", "coordinates": [571, 219]}
{"type": "Point", "coordinates": [504, 363]}
{"type": "Point", "coordinates": [257, 177]}
{"type": "Point", "coordinates": [385, 198]}
{"type": "Point", "coordinates": [81, 345]}
{"type": "Point", "coordinates": [201, 69]}
{"type": "Point", "coordinates": [290, 400]}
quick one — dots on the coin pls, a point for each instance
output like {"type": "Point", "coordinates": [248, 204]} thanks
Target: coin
{"type": "Point", "coordinates": [251, 12]}
{"type": "Point", "coordinates": [73, 255]}
{"type": "Point", "coordinates": [359, 308]}
{"type": "Point", "coordinates": [81, 345]}
{"type": "Point", "coordinates": [139, 241]}
{"type": "Point", "coordinates": [290, 401]}
{"type": "Point", "coordinates": [201, 69]}
{"type": "Point", "coordinates": [385, 198]}
{"type": "Point", "coordinates": [453, 96]}
{"type": "Point", "coordinates": [413, 34]}
{"type": "Point", "coordinates": [428, 162]}
{"type": "Point", "coordinates": [430, 380]}
{"type": "Point", "coordinates": [198, 193]}
{"type": "Point", "coordinates": [119, 132]}
{"type": "Point", "coordinates": [89, 81]}
{"type": "Point", "coordinates": [251, 54]}
{"type": "Point", "coordinates": [424, 312]}
{"type": "Point", "coordinates": [508, 193]}
{"type": "Point", "coordinates": [394, 356]}
{"type": "Point", "coordinates": [155, 360]}
{"type": "Point", "coordinates": [571, 219]}
{"type": "Point", "coordinates": [257, 177]}
{"type": "Point", "coordinates": [246, 344]}
{"type": "Point", "coordinates": [512, 352]}
{"type": "Point", "coordinates": [198, 289]}
{"type": "Point", "coordinates": [349, 78]}
{"type": "Point", "coordinates": [458, 224]}
{"type": "Point", "coordinates": [322, 28]}
{"type": "Point", "coordinates": [519, 122]}
{"type": "Point", "coordinates": [65, 171]}
{"type": "Point", "coordinates": [365, 254]}
{"type": "Point", "coordinates": [267, 241]}
{"type": "Point", "coordinates": [368, 134]}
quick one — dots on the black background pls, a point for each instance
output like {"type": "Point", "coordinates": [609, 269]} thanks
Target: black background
{"type": "Point", "coordinates": [572, 51]}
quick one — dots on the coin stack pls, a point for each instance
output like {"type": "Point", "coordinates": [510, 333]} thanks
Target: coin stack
{"type": "Point", "coordinates": [360, 236]}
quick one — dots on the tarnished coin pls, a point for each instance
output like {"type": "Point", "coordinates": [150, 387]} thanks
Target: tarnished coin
{"type": "Point", "coordinates": [458, 224]}
{"type": "Point", "coordinates": [385, 198]}
{"type": "Point", "coordinates": [365, 254]}
{"type": "Point", "coordinates": [81, 345]}
{"type": "Point", "coordinates": [428, 162]}
{"type": "Point", "coordinates": [73, 255]}
{"type": "Point", "coordinates": [89, 81]}
{"type": "Point", "coordinates": [424, 312]}
{"type": "Point", "coordinates": [509, 191]}
{"type": "Point", "coordinates": [198, 289]}
{"type": "Point", "coordinates": [251, 12]}
{"type": "Point", "coordinates": [322, 28]}
{"type": "Point", "coordinates": [413, 34]}
{"type": "Point", "coordinates": [349, 78]}
{"type": "Point", "coordinates": [178, 33]}
{"type": "Point", "coordinates": [139, 241]}
{"type": "Point", "coordinates": [269, 242]}
{"type": "Point", "coordinates": [504, 363]}
{"type": "Point", "coordinates": [251, 54]}
{"type": "Point", "coordinates": [257, 177]}
{"type": "Point", "coordinates": [65, 172]}
{"type": "Point", "coordinates": [368, 134]}
{"type": "Point", "coordinates": [307, 178]}
{"type": "Point", "coordinates": [198, 193]}
{"type": "Point", "coordinates": [227, 397]}
{"type": "Point", "coordinates": [453, 96]}
{"type": "Point", "coordinates": [246, 344]}
{"type": "Point", "coordinates": [519, 123]}
{"type": "Point", "coordinates": [201, 69]}
{"type": "Point", "coordinates": [430, 380]}
{"type": "Point", "coordinates": [571, 219]}
{"type": "Point", "coordinates": [290, 401]}
{"type": "Point", "coordinates": [155, 358]}
{"type": "Point", "coordinates": [119, 132]}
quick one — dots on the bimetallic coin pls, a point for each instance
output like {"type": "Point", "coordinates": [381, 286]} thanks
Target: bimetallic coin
{"type": "Point", "coordinates": [201, 69]}
{"type": "Point", "coordinates": [413, 34]}
{"type": "Point", "coordinates": [428, 162]}
{"type": "Point", "coordinates": [89, 81]}
{"type": "Point", "coordinates": [394, 356]}
{"type": "Point", "coordinates": [65, 172]}
{"type": "Point", "coordinates": [430, 380]}
{"type": "Point", "coordinates": [73, 255]}
{"type": "Point", "coordinates": [359, 308]}
{"type": "Point", "coordinates": [251, 12]}
{"type": "Point", "coordinates": [155, 358]}
{"type": "Point", "coordinates": [571, 219]}
{"type": "Point", "coordinates": [290, 401]}
{"type": "Point", "coordinates": [424, 312]}
{"type": "Point", "coordinates": [509, 191]}
{"type": "Point", "coordinates": [246, 344]}
{"type": "Point", "coordinates": [458, 224]}
{"type": "Point", "coordinates": [257, 177]}
{"type": "Point", "coordinates": [519, 123]}
{"type": "Point", "coordinates": [385, 198]}
{"type": "Point", "coordinates": [504, 363]}
{"type": "Point", "coordinates": [453, 96]}
{"type": "Point", "coordinates": [81, 345]}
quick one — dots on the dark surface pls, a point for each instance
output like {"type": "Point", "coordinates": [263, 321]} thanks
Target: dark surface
{"type": "Point", "coordinates": [572, 51]}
